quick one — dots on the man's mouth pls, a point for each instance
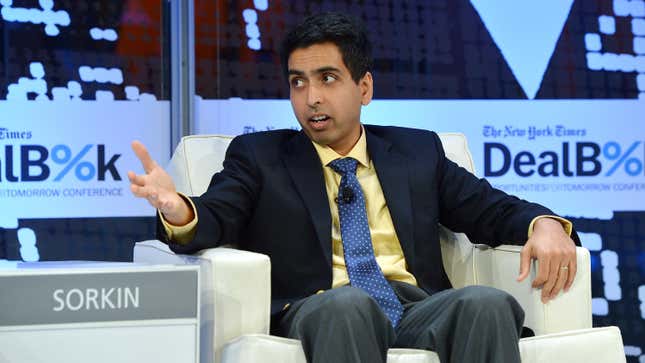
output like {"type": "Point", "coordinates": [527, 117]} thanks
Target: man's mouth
{"type": "Point", "coordinates": [318, 122]}
{"type": "Point", "coordinates": [319, 118]}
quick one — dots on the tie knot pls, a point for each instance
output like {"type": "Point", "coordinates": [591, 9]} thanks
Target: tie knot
{"type": "Point", "coordinates": [344, 165]}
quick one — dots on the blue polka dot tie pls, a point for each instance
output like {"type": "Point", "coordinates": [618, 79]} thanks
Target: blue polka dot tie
{"type": "Point", "coordinates": [361, 264]}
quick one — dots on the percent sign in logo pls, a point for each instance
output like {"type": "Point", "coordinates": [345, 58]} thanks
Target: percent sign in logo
{"type": "Point", "coordinates": [632, 165]}
{"type": "Point", "coordinates": [62, 154]}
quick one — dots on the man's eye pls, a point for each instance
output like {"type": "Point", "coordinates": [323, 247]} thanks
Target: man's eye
{"type": "Point", "coordinates": [328, 78]}
{"type": "Point", "coordinates": [297, 82]}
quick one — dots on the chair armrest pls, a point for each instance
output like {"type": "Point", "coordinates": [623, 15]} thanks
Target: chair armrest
{"type": "Point", "coordinates": [242, 292]}
{"type": "Point", "coordinates": [603, 344]}
{"type": "Point", "coordinates": [499, 268]}
{"type": "Point", "coordinates": [235, 291]}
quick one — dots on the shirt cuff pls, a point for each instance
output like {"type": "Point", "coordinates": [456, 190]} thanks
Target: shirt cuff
{"type": "Point", "coordinates": [566, 224]}
{"type": "Point", "coordinates": [180, 234]}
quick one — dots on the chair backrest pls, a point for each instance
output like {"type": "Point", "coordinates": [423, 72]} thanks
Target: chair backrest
{"type": "Point", "coordinates": [197, 157]}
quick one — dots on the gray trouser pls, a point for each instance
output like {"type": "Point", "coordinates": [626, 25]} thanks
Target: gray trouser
{"type": "Point", "coordinates": [345, 325]}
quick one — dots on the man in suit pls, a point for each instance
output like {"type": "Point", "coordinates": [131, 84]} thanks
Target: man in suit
{"type": "Point", "coordinates": [349, 214]}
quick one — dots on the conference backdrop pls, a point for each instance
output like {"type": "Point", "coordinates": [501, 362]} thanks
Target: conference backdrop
{"type": "Point", "coordinates": [78, 81]}
{"type": "Point", "coordinates": [551, 95]}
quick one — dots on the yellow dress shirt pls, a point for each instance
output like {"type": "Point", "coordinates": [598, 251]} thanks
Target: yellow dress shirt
{"type": "Point", "coordinates": [385, 243]}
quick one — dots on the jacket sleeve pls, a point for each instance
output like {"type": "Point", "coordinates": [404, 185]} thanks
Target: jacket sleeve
{"type": "Point", "coordinates": [226, 206]}
{"type": "Point", "coordinates": [472, 206]}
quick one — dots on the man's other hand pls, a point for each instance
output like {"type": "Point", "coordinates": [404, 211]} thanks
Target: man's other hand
{"type": "Point", "coordinates": [157, 187]}
{"type": "Point", "coordinates": [556, 256]}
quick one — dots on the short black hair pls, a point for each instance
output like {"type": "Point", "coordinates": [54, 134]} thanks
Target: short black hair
{"type": "Point", "coordinates": [346, 32]}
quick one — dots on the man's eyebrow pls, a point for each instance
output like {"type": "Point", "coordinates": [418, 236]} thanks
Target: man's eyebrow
{"type": "Point", "coordinates": [296, 72]}
{"type": "Point", "coordinates": [320, 70]}
{"type": "Point", "coordinates": [327, 69]}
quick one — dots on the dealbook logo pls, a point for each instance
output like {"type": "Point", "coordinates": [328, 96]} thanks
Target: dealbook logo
{"type": "Point", "coordinates": [37, 163]}
{"type": "Point", "coordinates": [579, 159]}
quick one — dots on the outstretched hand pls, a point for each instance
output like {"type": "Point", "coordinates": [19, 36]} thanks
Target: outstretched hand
{"type": "Point", "coordinates": [555, 252]}
{"type": "Point", "coordinates": [157, 187]}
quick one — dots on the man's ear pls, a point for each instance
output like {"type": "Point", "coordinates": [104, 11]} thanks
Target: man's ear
{"type": "Point", "coordinates": [366, 84]}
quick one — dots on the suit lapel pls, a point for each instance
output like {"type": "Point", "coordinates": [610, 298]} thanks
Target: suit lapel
{"type": "Point", "coordinates": [304, 167]}
{"type": "Point", "coordinates": [392, 170]}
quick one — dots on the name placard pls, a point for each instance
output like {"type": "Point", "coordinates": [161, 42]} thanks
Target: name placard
{"type": "Point", "coordinates": [51, 297]}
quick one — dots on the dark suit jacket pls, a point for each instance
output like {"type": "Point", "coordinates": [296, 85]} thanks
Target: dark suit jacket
{"type": "Point", "coordinates": [271, 198]}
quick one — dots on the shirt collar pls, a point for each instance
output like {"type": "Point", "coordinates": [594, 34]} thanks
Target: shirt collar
{"type": "Point", "coordinates": [358, 152]}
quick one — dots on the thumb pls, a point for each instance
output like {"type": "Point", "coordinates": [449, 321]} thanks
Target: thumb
{"type": "Point", "coordinates": [525, 263]}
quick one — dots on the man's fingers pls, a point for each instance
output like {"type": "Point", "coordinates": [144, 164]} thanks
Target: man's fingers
{"type": "Point", "coordinates": [525, 263]}
{"type": "Point", "coordinates": [139, 191]}
{"type": "Point", "coordinates": [559, 284]}
{"type": "Point", "coordinates": [139, 180]}
{"type": "Point", "coordinates": [157, 199]}
{"type": "Point", "coordinates": [554, 271]}
{"type": "Point", "coordinates": [150, 194]}
{"type": "Point", "coordinates": [142, 154]}
{"type": "Point", "coordinates": [573, 269]}
{"type": "Point", "coordinates": [542, 274]}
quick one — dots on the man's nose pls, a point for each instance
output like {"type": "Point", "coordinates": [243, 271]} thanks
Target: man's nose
{"type": "Point", "coordinates": [314, 96]}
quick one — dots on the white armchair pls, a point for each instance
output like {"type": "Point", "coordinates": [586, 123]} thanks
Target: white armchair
{"type": "Point", "coordinates": [236, 288]}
